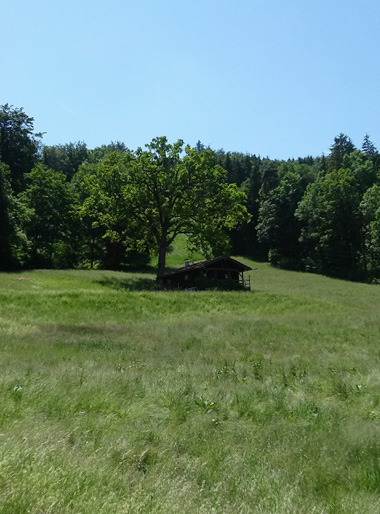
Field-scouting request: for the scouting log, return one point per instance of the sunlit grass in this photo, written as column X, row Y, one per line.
column 119, row 398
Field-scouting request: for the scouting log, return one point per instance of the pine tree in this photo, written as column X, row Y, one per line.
column 342, row 146
column 368, row 147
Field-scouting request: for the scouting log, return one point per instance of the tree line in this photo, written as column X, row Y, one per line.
column 318, row 214
column 110, row 207
column 69, row 206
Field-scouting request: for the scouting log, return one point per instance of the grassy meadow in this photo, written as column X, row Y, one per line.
column 117, row 398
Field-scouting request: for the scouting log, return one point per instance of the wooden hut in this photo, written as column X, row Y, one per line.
column 223, row 272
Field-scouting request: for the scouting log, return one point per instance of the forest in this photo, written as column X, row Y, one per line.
column 69, row 206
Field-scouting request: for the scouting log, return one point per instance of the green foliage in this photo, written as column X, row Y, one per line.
column 362, row 168
column 52, row 222
column 342, row 146
column 158, row 194
column 18, row 144
column 331, row 217
column 99, row 153
column 238, row 165
column 13, row 243
column 110, row 207
column 370, row 209
column 319, row 228
column 269, row 175
column 368, row 147
column 278, row 226
column 65, row 158
column 6, row 227
column 105, row 211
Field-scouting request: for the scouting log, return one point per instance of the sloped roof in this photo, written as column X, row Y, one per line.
column 205, row 264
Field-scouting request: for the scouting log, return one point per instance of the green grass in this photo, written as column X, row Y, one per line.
column 179, row 254
column 117, row 398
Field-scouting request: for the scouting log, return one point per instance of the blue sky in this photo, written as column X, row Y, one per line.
column 272, row 77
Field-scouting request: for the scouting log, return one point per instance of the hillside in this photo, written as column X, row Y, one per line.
column 118, row 398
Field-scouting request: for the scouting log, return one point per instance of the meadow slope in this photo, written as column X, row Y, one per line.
column 118, row 398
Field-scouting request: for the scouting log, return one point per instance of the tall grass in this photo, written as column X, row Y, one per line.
column 118, row 398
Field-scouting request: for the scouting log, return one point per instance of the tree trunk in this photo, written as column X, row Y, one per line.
column 92, row 244
column 161, row 259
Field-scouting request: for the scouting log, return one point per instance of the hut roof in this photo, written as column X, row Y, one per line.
column 205, row 264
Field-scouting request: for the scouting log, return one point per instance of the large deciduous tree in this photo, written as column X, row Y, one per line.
column 145, row 199
column 173, row 194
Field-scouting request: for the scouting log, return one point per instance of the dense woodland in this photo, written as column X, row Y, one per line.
column 69, row 206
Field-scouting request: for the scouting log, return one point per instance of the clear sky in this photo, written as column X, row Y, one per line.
column 278, row 78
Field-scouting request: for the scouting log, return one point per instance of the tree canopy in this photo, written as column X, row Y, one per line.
column 69, row 205
column 147, row 198
column 19, row 144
